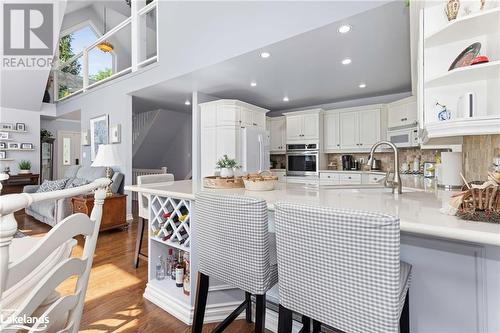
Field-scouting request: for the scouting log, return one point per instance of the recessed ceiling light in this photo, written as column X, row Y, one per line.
column 265, row 55
column 253, row 84
column 346, row 61
column 343, row 29
column 285, row 99
column 187, row 102
column 362, row 85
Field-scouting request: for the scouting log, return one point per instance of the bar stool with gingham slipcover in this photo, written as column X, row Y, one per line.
column 341, row 268
column 234, row 247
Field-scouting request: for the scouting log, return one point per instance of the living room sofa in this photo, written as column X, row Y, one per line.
column 52, row 212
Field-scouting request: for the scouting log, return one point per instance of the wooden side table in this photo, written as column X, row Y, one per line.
column 114, row 210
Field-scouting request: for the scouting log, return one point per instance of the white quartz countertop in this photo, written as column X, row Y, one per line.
column 418, row 210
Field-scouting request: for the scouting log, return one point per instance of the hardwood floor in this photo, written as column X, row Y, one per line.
column 114, row 301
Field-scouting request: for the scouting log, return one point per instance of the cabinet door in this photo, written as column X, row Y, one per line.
column 349, row 131
column 246, row 117
column 331, row 131
column 310, row 125
column 294, row 128
column 402, row 114
column 369, row 128
column 228, row 142
column 208, row 151
column 208, row 115
column 228, row 114
column 259, row 119
column 277, row 134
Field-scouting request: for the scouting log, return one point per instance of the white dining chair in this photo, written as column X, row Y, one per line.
column 143, row 209
column 28, row 280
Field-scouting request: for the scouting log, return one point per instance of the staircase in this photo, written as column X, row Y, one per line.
column 141, row 124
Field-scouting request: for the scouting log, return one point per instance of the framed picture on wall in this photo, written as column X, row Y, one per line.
column 4, row 135
column 85, row 138
column 21, row 127
column 3, row 145
column 6, row 126
column 115, row 134
column 13, row 145
column 2, row 155
column 99, row 134
column 26, row 146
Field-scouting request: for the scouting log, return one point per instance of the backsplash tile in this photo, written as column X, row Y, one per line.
column 478, row 154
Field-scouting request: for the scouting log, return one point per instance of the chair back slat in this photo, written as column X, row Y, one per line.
column 58, row 309
column 237, row 227
column 61, row 235
column 351, row 259
column 76, row 224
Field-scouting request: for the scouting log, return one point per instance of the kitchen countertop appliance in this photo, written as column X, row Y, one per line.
column 302, row 159
column 348, row 162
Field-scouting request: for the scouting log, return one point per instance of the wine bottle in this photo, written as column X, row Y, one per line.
column 179, row 272
column 172, row 267
column 187, row 280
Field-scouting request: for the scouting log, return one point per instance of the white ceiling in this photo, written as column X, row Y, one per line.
column 307, row 68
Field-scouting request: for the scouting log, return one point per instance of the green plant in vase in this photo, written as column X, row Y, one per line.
column 227, row 166
column 24, row 167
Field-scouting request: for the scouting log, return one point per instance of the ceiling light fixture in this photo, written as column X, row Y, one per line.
column 253, row 84
column 187, row 102
column 346, row 61
column 343, row 29
column 265, row 55
column 362, row 85
column 285, row 99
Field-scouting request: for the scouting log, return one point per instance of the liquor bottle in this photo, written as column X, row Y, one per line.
column 168, row 262
column 179, row 272
column 181, row 235
column 173, row 265
column 187, row 280
column 160, row 270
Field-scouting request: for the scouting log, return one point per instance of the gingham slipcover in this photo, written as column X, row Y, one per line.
column 341, row 267
column 233, row 241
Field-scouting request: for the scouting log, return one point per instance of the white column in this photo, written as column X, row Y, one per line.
column 136, row 29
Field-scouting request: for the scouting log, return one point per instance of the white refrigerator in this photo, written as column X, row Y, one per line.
column 255, row 155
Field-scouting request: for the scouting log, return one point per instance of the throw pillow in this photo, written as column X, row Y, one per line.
column 52, row 185
column 78, row 182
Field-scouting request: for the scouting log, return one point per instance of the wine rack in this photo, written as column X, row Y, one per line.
column 170, row 222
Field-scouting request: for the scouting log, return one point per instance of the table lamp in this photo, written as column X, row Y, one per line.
column 107, row 156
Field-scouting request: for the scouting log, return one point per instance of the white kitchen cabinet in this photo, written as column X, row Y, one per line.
column 357, row 129
column 369, row 128
column 402, row 112
column 349, row 130
column 350, row 179
column 303, row 126
column 331, row 134
column 221, row 123
column 277, row 129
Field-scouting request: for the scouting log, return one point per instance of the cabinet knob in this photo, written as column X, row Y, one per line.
column 404, row 119
column 338, row 145
column 349, row 177
column 255, row 124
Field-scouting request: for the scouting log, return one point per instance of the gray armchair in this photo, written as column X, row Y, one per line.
column 52, row 212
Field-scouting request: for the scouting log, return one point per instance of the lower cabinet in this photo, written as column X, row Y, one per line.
column 349, row 178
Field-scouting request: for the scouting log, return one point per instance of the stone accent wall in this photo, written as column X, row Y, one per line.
column 478, row 154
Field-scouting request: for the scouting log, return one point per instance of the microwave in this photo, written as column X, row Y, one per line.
column 405, row 137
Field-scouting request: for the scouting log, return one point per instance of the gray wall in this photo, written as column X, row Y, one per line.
column 168, row 144
column 32, row 121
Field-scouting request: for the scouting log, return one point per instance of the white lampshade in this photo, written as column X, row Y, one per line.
column 107, row 156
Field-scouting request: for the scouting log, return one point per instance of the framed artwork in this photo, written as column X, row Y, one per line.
column 115, row 135
column 2, row 155
column 4, row 135
column 3, row 145
column 21, row 127
column 85, row 138
column 26, row 146
column 98, row 134
column 13, row 145
column 6, row 126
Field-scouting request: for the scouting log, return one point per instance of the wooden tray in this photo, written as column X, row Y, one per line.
column 218, row 182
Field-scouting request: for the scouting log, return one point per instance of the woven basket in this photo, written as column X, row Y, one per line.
column 260, row 182
column 481, row 205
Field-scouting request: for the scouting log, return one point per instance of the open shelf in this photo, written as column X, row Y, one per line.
column 168, row 286
column 3, row 140
column 12, row 130
column 465, row 27
column 172, row 244
column 490, row 70
column 16, row 149
column 464, row 126
column 6, row 159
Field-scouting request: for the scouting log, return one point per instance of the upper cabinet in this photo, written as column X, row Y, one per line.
column 303, row 126
column 355, row 129
column 402, row 113
column 230, row 112
column 457, row 101
column 277, row 132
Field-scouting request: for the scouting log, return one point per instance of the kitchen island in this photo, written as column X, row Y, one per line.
column 456, row 276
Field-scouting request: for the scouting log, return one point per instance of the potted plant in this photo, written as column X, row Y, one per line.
column 24, row 167
column 227, row 166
